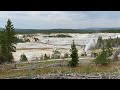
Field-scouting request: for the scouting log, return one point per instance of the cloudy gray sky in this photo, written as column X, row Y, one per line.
column 61, row 19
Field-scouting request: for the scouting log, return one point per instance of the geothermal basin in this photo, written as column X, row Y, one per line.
column 48, row 44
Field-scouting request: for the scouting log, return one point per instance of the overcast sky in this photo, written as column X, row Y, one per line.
column 61, row 19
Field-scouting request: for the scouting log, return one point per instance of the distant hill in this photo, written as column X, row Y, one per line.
column 117, row 28
column 52, row 31
column 87, row 30
column 32, row 31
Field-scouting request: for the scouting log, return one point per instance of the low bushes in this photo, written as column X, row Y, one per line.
column 23, row 58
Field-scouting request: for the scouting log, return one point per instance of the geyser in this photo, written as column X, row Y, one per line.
column 91, row 44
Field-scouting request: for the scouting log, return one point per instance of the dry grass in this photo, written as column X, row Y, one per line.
column 41, row 64
column 8, row 72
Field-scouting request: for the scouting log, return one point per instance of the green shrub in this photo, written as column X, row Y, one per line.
column 46, row 57
column 66, row 55
column 56, row 54
column 27, row 40
column 102, row 58
column 23, row 58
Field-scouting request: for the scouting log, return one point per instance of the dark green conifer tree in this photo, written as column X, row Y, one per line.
column 7, row 42
column 74, row 55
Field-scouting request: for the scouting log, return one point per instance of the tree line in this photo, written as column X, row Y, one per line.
column 115, row 42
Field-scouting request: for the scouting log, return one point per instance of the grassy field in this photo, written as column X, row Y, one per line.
column 8, row 72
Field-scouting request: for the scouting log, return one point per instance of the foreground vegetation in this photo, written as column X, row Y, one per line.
column 8, row 72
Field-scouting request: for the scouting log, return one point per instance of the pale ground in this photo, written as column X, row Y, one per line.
column 48, row 44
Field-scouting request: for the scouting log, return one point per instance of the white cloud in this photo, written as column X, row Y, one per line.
column 60, row 19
